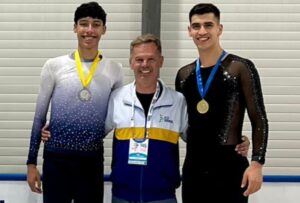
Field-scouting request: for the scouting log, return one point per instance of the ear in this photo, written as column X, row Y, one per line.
column 104, row 29
column 130, row 58
column 75, row 28
column 220, row 29
column 161, row 61
column 190, row 30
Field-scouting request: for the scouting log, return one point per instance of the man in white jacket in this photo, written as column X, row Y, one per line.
column 148, row 119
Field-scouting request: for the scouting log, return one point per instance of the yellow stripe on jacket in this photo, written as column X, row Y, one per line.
column 154, row 133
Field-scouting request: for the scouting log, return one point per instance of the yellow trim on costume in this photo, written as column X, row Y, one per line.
column 154, row 133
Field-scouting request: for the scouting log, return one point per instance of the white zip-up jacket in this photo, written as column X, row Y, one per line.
column 158, row 179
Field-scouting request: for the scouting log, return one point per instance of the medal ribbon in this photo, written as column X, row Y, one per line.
column 203, row 90
column 86, row 81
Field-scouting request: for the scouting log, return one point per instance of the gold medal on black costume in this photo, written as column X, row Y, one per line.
column 202, row 106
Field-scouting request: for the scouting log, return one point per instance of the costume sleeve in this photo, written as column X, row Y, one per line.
column 184, row 120
column 119, row 77
column 42, row 104
column 178, row 82
column 109, row 116
column 256, row 110
column 181, row 77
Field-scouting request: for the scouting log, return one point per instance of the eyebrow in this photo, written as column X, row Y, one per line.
column 205, row 23
column 94, row 20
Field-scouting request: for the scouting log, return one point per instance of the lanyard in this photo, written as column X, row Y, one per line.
column 150, row 112
column 85, row 81
column 203, row 90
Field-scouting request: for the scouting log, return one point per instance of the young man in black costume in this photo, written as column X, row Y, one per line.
column 219, row 87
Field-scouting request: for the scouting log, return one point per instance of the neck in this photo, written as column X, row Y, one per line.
column 209, row 58
column 143, row 88
column 87, row 54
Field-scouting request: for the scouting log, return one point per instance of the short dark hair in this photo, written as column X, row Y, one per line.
column 204, row 8
column 90, row 9
column 144, row 39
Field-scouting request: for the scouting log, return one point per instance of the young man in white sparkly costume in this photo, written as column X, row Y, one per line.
column 78, row 86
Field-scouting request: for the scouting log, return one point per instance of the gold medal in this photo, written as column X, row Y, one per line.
column 202, row 106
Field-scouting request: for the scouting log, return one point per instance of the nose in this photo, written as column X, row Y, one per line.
column 202, row 30
column 90, row 28
column 144, row 63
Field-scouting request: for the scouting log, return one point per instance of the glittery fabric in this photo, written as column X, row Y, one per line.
column 75, row 125
column 235, row 89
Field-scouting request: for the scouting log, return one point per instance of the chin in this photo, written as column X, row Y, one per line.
column 202, row 48
column 89, row 46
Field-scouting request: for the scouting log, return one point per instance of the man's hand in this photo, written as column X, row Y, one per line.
column 34, row 178
column 243, row 148
column 252, row 178
column 45, row 133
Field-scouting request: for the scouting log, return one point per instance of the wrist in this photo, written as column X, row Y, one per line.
column 256, row 164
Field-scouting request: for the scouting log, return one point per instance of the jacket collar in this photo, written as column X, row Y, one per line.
column 164, row 99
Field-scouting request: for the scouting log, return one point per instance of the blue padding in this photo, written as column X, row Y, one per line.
column 267, row 178
column 281, row 178
column 12, row 177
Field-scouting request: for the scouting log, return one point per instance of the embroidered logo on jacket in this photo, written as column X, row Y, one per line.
column 165, row 119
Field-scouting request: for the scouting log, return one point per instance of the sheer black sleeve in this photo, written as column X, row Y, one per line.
column 251, row 88
column 182, row 75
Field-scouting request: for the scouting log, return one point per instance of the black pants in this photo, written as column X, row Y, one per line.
column 220, row 175
column 67, row 178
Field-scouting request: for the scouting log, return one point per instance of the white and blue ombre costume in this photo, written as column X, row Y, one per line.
column 77, row 127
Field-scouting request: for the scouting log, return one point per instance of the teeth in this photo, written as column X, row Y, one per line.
column 203, row 39
column 145, row 71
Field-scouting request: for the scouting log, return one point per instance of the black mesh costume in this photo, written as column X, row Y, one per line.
column 211, row 161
